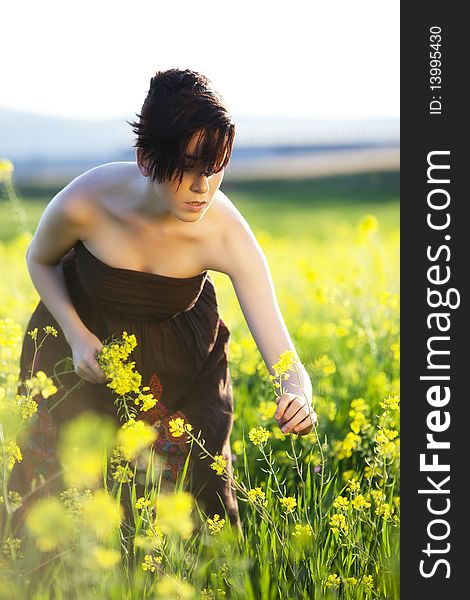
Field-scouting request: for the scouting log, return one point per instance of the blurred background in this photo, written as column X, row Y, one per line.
column 314, row 90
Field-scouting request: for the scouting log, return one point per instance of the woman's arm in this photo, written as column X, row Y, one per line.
column 249, row 272
column 65, row 220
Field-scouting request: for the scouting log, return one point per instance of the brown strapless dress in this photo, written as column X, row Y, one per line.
column 182, row 354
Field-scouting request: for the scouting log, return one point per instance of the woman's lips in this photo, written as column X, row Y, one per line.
column 195, row 207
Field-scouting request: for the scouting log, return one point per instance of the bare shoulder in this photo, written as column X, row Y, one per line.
column 106, row 176
column 229, row 219
column 85, row 200
column 70, row 215
column 85, row 194
column 233, row 235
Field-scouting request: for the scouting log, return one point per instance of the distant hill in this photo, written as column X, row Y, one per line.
column 26, row 137
column 48, row 148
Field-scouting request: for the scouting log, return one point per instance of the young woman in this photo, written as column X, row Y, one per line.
column 127, row 246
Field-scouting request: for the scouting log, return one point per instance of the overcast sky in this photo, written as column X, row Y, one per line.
column 321, row 59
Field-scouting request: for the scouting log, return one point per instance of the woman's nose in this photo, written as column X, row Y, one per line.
column 200, row 184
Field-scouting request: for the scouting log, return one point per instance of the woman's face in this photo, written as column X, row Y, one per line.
column 196, row 187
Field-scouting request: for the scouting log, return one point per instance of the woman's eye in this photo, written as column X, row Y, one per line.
column 189, row 167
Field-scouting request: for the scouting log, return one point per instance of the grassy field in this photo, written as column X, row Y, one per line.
column 320, row 511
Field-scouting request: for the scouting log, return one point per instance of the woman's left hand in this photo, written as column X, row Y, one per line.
column 295, row 414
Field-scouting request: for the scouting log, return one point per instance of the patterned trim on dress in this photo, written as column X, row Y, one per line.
column 40, row 458
column 173, row 450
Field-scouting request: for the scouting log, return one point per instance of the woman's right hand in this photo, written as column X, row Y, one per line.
column 85, row 347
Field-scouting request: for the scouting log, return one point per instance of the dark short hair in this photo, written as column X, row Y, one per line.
column 179, row 104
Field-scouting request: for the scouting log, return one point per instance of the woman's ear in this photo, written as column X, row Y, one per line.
column 142, row 162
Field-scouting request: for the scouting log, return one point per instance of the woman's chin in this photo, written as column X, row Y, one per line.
column 190, row 215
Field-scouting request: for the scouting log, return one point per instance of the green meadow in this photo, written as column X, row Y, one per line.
column 321, row 511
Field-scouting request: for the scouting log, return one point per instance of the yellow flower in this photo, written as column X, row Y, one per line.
column 153, row 539
column 123, row 473
column 344, row 449
column 358, row 405
column 368, row 582
column 124, row 379
column 344, row 326
column 341, row 502
column 11, row 548
column 142, row 503
column 302, row 530
column 339, row 524
column 216, row 524
column 170, row 588
column 82, row 444
column 350, row 580
column 25, row 406
column 15, row 500
column 395, row 348
column 102, row 514
column 178, row 427
column 359, row 502
column 266, row 409
column 370, row 471
column 378, row 496
column 390, row 403
column 285, row 363
column 353, row 485
column 390, row 433
column 257, row 495
column 11, row 453
column 174, row 513
column 219, row 464
column 360, row 423
column 133, row 436
column 368, row 224
column 289, row 503
column 237, row 447
column 259, row 435
column 148, row 400
column 381, row 438
column 333, row 581
column 33, row 333
column 347, row 475
column 75, row 499
column 383, row 510
column 104, row 558
column 41, row 383
column 155, row 534
column 209, row 594
column 48, row 329
column 49, row 524
column 389, row 449
column 323, row 365
column 151, row 562
column 6, row 167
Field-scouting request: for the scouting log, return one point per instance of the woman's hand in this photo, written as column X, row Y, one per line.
column 295, row 414
column 85, row 347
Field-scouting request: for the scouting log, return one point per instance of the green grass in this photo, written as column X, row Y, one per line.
column 313, row 207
